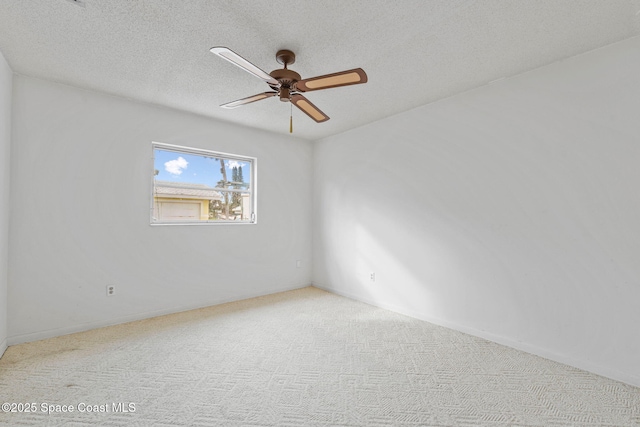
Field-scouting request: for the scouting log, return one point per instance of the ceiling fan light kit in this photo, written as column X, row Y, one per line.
column 287, row 84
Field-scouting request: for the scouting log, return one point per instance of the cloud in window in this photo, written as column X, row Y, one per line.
column 234, row 164
column 175, row 167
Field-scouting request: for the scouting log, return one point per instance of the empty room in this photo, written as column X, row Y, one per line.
column 320, row 213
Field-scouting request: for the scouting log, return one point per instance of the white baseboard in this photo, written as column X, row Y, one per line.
column 3, row 347
column 50, row 333
column 603, row 371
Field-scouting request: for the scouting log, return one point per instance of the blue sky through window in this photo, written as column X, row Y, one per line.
column 195, row 168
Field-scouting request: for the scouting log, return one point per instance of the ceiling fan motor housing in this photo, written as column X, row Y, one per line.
column 287, row 79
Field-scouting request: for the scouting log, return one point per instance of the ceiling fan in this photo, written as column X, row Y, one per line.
column 287, row 84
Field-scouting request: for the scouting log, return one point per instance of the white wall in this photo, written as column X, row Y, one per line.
column 80, row 200
column 510, row 212
column 6, row 77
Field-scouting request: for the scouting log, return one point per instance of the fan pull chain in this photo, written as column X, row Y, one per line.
column 290, row 118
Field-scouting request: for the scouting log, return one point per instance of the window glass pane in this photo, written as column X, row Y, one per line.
column 234, row 174
column 234, row 206
column 194, row 187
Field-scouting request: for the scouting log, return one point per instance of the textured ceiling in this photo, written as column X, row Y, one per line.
column 414, row 51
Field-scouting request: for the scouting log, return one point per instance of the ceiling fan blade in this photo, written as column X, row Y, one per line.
column 308, row 108
column 249, row 100
column 343, row 78
column 239, row 61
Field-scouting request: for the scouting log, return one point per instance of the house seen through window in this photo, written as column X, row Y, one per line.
column 194, row 186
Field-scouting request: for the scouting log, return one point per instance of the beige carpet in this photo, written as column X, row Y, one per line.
column 299, row 358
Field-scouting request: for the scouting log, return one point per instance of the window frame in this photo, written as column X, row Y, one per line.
column 252, row 190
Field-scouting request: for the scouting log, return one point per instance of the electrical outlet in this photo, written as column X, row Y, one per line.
column 298, row 263
column 111, row 290
column 372, row 276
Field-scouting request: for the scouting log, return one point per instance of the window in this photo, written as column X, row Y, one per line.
column 193, row 186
